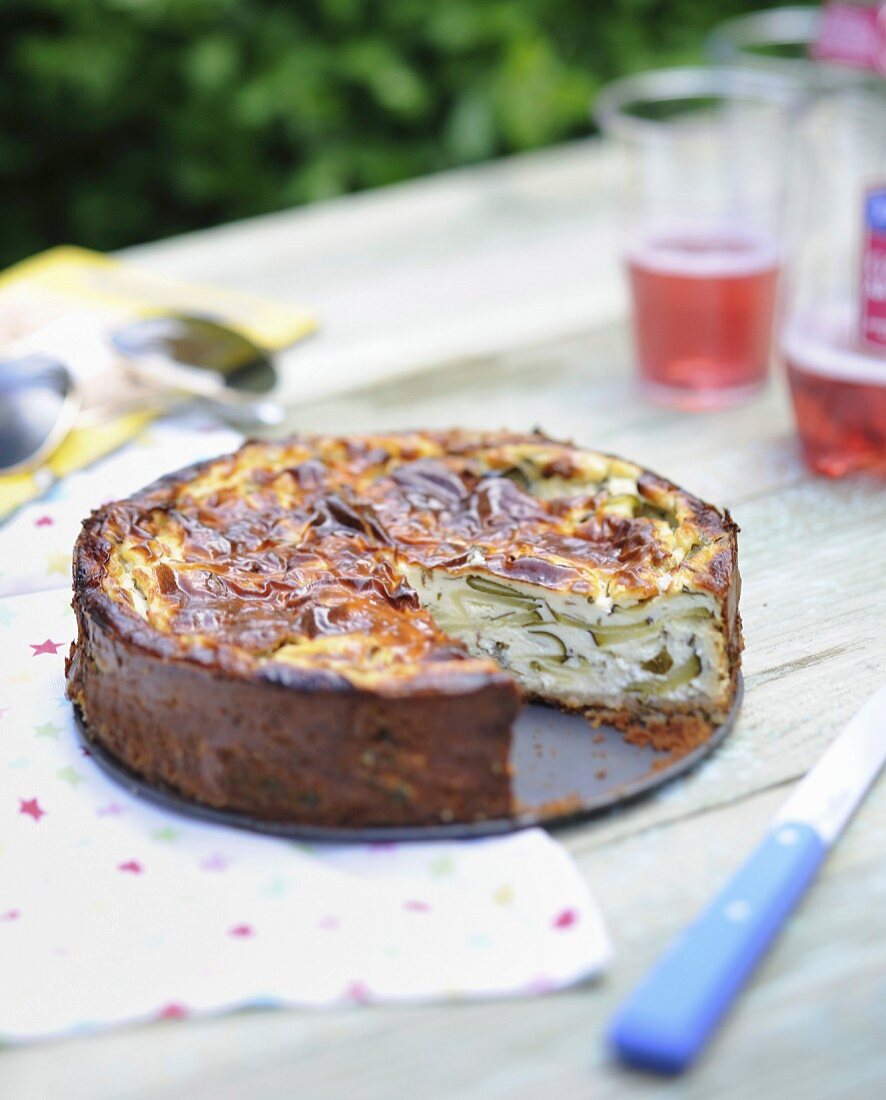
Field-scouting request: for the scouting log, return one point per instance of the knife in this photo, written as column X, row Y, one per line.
column 665, row 1023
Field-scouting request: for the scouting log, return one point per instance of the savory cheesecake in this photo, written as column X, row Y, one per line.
column 340, row 631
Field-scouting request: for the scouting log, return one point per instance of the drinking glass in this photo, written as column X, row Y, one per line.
column 704, row 153
column 833, row 336
column 782, row 41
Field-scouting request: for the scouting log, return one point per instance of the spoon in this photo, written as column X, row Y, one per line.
column 200, row 357
column 39, row 402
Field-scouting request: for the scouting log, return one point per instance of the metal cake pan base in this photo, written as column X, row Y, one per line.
column 564, row 771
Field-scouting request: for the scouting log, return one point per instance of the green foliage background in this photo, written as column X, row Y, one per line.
column 127, row 120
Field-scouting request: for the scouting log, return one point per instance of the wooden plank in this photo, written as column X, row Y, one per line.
column 583, row 388
column 476, row 261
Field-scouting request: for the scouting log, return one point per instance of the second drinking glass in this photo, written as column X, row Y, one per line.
column 705, row 152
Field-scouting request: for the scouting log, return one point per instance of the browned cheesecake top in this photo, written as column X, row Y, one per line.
column 283, row 559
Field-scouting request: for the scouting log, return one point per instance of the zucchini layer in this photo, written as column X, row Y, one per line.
column 568, row 650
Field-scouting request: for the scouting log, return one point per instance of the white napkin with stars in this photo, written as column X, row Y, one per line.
column 114, row 911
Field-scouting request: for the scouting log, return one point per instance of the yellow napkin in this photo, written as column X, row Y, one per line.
column 64, row 281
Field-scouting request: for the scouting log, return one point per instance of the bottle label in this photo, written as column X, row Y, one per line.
column 873, row 268
column 852, row 34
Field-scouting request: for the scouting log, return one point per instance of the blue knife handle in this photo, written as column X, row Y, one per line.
column 669, row 1017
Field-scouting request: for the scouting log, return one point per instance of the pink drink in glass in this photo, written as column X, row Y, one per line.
column 839, row 393
column 704, row 303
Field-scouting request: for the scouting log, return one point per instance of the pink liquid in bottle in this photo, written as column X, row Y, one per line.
column 703, row 312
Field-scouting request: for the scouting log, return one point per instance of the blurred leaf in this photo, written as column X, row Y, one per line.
column 471, row 131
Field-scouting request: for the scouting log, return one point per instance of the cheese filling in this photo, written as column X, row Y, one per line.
column 565, row 649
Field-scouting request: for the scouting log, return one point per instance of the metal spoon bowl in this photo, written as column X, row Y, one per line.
column 205, row 359
column 39, row 402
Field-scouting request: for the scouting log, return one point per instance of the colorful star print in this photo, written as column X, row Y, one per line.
column 443, row 865
column 166, row 833
column 70, row 776
column 48, row 730
column 131, row 866
column 415, row 906
column 358, row 992
column 31, row 807
column 58, row 563
column 44, row 521
column 242, row 931
column 46, row 647
column 215, row 863
column 504, row 895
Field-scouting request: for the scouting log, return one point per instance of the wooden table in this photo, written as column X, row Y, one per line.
column 491, row 297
